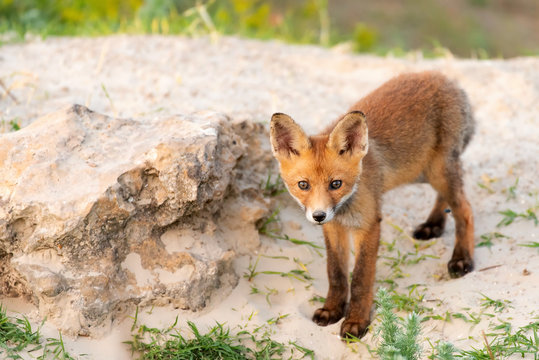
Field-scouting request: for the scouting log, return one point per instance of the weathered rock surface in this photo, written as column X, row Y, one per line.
column 98, row 213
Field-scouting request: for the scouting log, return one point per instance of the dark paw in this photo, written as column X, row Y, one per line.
column 428, row 231
column 460, row 267
column 354, row 329
column 325, row 316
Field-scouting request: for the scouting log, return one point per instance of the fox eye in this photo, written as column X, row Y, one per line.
column 303, row 185
column 335, row 184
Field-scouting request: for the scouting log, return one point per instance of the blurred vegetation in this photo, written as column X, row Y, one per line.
column 480, row 28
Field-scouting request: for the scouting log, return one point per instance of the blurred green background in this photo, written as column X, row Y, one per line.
column 466, row 28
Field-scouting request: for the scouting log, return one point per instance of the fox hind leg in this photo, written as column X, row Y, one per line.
column 434, row 226
column 461, row 262
column 446, row 177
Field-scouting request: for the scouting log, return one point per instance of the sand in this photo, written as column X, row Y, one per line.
column 143, row 76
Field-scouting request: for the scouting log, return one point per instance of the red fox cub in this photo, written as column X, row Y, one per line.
column 411, row 129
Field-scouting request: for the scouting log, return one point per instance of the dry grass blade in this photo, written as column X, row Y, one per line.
column 488, row 346
column 490, row 267
column 8, row 92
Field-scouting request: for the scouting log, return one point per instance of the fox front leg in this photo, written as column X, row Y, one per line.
column 357, row 318
column 337, row 247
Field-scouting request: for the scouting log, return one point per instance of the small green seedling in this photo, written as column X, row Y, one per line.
column 510, row 216
column 399, row 339
column 486, row 239
column 273, row 187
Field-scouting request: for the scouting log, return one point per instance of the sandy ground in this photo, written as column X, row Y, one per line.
column 147, row 76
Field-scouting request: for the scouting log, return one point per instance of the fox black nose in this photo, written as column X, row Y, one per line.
column 319, row 216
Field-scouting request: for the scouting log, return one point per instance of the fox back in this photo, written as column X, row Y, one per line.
column 412, row 119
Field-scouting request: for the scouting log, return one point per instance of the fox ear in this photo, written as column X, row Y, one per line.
column 350, row 135
column 286, row 136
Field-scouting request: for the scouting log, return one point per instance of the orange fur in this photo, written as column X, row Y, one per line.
column 412, row 128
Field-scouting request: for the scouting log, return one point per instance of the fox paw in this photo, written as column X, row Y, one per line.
column 354, row 329
column 325, row 316
column 459, row 267
column 428, row 231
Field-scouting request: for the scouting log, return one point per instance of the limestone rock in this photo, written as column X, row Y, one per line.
column 98, row 213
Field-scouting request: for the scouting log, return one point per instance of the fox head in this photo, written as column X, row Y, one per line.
column 321, row 172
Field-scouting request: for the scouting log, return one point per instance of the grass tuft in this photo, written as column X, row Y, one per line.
column 486, row 239
column 16, row 336
column 523, row 342
column 444, row 351
column 217, row 343
column 497, row 305
column 510, row 216
column 273, row 186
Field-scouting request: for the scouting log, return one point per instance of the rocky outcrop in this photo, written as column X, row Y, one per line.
column 98, row 213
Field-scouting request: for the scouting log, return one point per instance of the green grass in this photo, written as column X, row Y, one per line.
column 486, row 239
column 271, row 227
column 397, row 262
column 497, row 305
column 217, row 343
column 395, row 333
column 15, row 125
column 444, row 351
column 486, row 186
column 303, row 22
column 412, row 301
column 273, row 186
column 107, row 95
column 17, row 336
column 168, row 344
column 300, row 274
column 510, row 216
column 512, row 191
column 399, row 338
column 412, row 298
column 523, row 342
column 55, row 348
column 267, row 293
column 11, row 125
column 317, row 299
column 531, row 244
